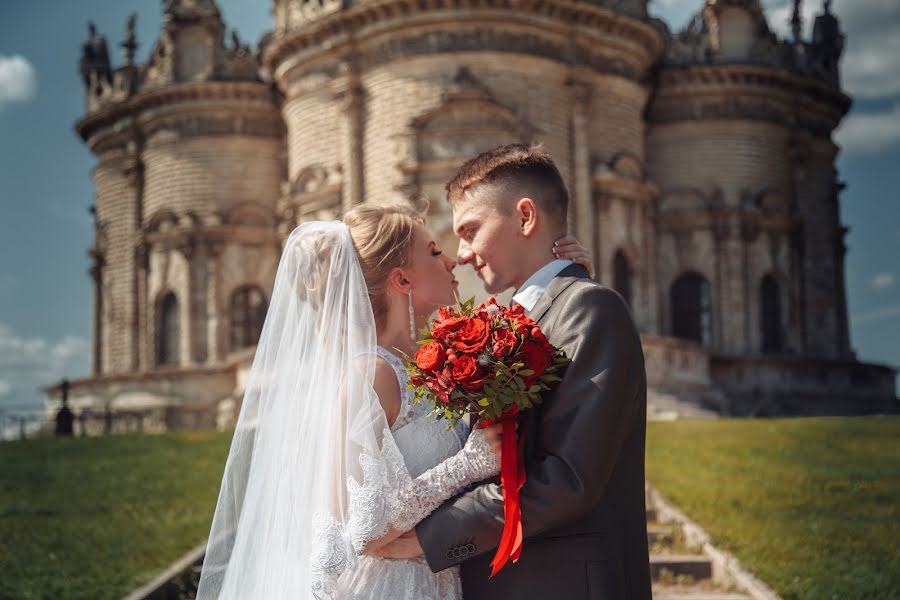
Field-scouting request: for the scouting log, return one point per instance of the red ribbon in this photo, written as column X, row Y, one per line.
column 512, row 478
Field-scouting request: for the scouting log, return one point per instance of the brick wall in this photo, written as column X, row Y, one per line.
column 116, row 200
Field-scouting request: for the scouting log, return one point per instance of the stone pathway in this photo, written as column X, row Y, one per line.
column 680, row 572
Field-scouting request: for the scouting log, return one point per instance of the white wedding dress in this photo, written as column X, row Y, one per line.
column 424, row 443
column 315, row 472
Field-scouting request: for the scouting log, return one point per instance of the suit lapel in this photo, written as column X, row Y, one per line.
column 557, row 286
column 532, row 418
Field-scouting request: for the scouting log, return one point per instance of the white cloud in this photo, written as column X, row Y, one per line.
column 877, row 315
column 871, row 132
column 882, row 281
column 29, row 363
column 870, row 66
column 18, row 79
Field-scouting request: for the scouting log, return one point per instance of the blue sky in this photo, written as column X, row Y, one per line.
column 46, row 188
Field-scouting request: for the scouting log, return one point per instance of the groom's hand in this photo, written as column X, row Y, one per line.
column 405, row 547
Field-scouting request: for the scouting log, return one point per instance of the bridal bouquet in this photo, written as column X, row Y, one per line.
column 494, row 362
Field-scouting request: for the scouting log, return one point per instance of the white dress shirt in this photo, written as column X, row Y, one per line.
column 530, row 292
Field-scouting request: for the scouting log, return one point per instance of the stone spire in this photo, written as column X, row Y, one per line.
column 827, row 46
column 129, row 44
column 94, row 64
column 797, row 21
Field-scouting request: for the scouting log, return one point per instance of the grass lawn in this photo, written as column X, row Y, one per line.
column 98, row 517
column 809, row 505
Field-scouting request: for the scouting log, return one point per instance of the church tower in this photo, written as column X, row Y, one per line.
column 189, row 167
column 700, row 164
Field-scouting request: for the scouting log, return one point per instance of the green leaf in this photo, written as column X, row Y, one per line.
column 484, row 402
column 534, row 389
column 526, row 372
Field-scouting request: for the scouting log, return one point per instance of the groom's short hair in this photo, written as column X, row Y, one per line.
column 519, row 171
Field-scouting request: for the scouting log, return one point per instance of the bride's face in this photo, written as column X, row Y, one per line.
column 431, row 274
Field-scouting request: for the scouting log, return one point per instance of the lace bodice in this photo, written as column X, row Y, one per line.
column 422, row 464
column 424, row 442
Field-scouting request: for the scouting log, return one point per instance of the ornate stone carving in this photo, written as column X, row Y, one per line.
column 645, row 38
column 701, row 42
column 463, row 40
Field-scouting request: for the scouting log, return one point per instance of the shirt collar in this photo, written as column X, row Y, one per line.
column 531, row 291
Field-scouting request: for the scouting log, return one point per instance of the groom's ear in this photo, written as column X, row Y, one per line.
column 526, row 213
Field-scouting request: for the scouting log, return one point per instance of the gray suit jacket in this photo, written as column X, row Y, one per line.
column 583, row 504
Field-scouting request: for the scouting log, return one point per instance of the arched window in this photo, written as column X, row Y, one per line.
column 167, row 334
column 622, row 276
column 248, row 311
column 692, row 309
column 770, row 315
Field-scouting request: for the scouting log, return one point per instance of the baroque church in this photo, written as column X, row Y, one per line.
column 700, row 163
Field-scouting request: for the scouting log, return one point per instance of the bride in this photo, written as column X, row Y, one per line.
column 330, row 457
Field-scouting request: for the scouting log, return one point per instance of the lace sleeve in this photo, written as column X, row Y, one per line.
column 389, row 497
column 420, row 496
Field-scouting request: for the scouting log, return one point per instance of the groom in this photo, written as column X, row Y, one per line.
column 583, row 506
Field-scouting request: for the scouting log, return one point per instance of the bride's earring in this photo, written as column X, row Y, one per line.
column 412, row 318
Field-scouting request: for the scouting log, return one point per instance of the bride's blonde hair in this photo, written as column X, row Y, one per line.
column 383, row 236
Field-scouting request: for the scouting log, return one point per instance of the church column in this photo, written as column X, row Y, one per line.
column 351, row 97
column 752, row 344
column 581, row 217
column 213, row 255
column 142, row 270
column 134, row 171
column 719, row 287
column 186, row 307
column 96, row 272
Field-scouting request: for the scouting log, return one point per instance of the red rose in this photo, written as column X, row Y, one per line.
column 537, row 336
column 464, row 369
column 447, row 326
column 504, row 342
column 431, row 357
column 477, row 381
column 473, row 336
column 535, row 359
column 515, row 309
column 521, row 323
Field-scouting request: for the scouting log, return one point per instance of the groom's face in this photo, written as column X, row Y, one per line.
column 488, row 239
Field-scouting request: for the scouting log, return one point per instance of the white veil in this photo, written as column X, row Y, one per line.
column 311, row 474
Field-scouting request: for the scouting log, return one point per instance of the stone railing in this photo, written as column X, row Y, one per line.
column 776, row 385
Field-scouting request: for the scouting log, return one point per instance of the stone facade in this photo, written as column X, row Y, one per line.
column 700, row 164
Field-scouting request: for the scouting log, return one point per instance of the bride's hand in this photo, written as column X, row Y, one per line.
column 568, row 247
column 493, row 436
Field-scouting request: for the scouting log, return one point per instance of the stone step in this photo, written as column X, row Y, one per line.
column 659, row 534
column 697, row 567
